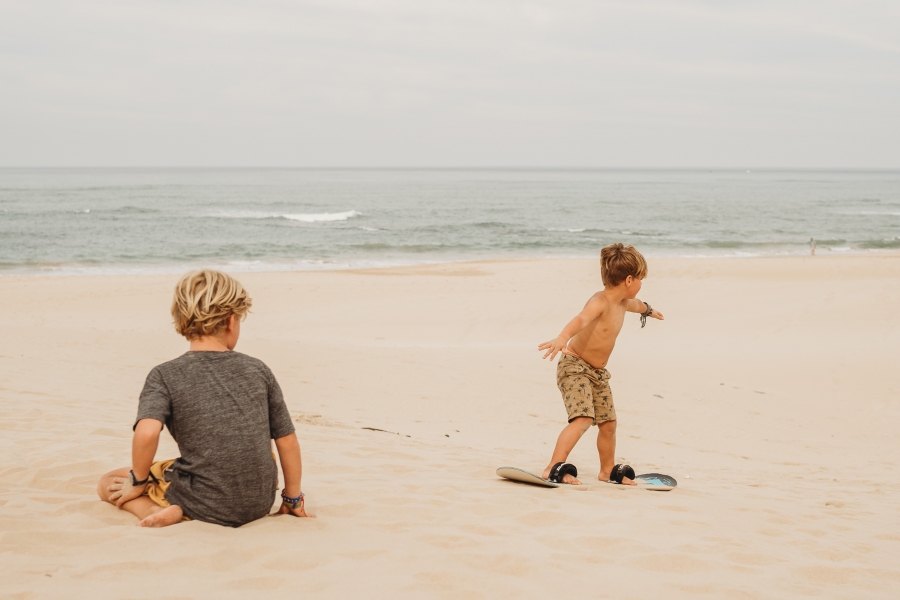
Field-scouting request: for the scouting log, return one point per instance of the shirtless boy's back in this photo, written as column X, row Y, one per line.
column 586, row 344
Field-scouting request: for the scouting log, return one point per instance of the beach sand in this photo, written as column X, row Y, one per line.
column 771, row 392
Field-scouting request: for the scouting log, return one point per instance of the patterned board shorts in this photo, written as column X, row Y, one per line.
column 585, row 389
column 156, row 490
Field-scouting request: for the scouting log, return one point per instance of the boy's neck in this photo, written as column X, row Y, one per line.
column 208, row 343
column 616, row 293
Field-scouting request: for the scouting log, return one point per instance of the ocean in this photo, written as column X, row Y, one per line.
column 110, row 221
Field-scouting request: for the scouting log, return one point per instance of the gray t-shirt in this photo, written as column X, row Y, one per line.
column 222, row 408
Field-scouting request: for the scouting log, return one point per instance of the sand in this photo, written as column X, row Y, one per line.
column 770, row 392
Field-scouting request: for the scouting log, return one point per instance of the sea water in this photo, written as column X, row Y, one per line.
column 92, row 221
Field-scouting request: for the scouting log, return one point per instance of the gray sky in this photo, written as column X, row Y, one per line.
column 440, row 83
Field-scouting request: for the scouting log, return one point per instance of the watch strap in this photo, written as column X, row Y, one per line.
column 134, row 480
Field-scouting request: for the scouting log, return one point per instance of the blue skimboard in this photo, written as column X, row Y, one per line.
column 650, row 481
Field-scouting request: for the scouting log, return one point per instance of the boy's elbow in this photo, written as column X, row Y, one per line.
column 148, row 428
column 287, row 440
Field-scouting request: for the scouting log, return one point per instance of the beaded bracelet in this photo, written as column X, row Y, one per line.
column 292, row 502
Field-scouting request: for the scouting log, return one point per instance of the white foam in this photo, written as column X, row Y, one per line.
column 244, row 263
column 317, row 217
column 234, row 266
column 302, row 217
column 245, row 214
column 869, row 213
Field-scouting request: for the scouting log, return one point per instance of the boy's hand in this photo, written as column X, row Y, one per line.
column 553, row 347
column 300, row 511
column 123, row 491
column 657, row 315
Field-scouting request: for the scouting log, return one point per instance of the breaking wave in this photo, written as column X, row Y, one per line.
column 302, row 217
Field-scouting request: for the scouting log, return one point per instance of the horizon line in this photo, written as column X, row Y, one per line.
column 457, row 168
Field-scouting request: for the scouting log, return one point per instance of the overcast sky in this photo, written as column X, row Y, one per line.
column 450, row 83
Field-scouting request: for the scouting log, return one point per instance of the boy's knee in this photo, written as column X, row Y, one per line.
column 584, row 423
column 607, row 428
column 106, row 481
column 101, row 489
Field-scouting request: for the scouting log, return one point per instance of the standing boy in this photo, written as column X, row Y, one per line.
column 223, row 408
column 586, row 344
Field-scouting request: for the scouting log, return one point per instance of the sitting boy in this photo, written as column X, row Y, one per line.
column 586, row 344
column 223, row 408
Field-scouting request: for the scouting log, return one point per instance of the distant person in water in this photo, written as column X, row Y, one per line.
column 585, row 345
column 224, row 409
column 812, row 247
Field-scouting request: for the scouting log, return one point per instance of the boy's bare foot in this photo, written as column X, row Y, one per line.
column 605, row 477
column 568, row 479
column 167, row 516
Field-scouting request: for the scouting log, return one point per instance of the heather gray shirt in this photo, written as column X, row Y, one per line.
column 222, row 408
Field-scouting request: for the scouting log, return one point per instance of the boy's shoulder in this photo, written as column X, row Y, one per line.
column 599, row 298
column 212, row 359
column 602, row 297
column 251, row 362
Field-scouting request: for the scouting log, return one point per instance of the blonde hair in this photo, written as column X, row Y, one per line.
column 204, row 301
column 618, row 261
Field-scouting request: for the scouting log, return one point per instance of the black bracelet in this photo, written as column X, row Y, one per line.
column 135, row 482
column 292, row 502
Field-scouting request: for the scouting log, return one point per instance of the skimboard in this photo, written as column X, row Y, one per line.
column 648, row 481
column 523, row 476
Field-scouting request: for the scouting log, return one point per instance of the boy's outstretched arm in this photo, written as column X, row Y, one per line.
column 292, row 466
column 593, row 309
column 639, row 306
column 143, row 449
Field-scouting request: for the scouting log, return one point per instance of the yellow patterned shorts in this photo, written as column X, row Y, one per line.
column 156, row 489
column 585, row 389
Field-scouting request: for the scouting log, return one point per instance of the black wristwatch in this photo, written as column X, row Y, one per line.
column 135, row 482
